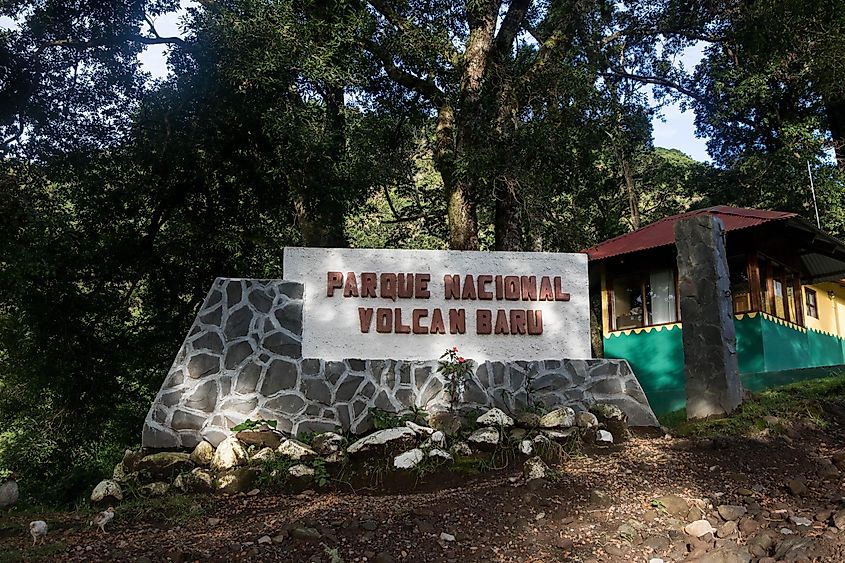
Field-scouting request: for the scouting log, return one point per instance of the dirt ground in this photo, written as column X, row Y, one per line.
column 600, row 508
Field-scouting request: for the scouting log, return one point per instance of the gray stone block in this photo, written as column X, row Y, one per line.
column 186, row 421
column 237, row 353
column 317, row 390
column 203, row 365
column 289, row 404
column 237, row 325
column 234, row 293
column 247, row 378
column 260, row 298
column 283, row 345
column 280, row 375
column 204, row 397
column 209, row 341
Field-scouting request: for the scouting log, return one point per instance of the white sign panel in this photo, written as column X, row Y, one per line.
column 414, row 304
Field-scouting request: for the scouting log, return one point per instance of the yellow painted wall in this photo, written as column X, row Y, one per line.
column 831, row 310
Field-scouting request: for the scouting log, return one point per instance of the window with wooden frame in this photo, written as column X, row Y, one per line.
column 812, row 303
column 779, row 286
column 643, row 299
column 740, row 284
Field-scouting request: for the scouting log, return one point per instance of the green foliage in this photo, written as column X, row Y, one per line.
column 45, row 552
column 382, row 420
column 456, row 370
column 322, row 478
column 250, row 424
column 806, row 400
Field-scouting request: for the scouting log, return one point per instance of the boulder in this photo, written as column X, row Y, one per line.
column 203, row 454
column 672, row 505
column 528, row 419
column 438, row 439
column 797, row 487
column 438, row 453
column 558, row 435
column 586, row 420
column 300, row 470
column 229, row 454
column 165, row 465
column 604, row 438
column 130, row 460
column 409, row 459
column 327, row 443
column 296, row 450
column 447, row 422
column 197, row 481
column 725, row 554
column 526, row 447
column 731, row 512
column 388, row 441
column 484, row 437
column 495, row 417
column 463, row 449
column 156, row 489
column 261, row 456
column 839, row 519
column 419, row 430
column 260, row 438
column 699, row 528
column 534, row 468
column 237, row 480
column 563, row 417
column 613, row 419
column 106, row 491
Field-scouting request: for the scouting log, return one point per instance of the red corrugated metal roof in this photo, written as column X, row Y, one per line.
column 662, row 232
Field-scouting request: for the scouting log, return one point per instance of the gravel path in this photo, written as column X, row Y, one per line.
column 600, row 508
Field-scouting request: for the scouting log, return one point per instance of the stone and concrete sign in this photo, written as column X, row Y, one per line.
column 247, row 356
column 413, row 304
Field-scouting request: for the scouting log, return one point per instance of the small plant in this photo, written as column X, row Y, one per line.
column 306, row 438
column 382, row 420
column 333, row 554
column 456, row 370
column 321, row 474
column 249, row 424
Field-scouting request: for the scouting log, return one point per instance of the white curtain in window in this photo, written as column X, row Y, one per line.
column 662, row 296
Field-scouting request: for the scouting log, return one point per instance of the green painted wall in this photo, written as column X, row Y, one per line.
column 657, row 358
column 768, row 353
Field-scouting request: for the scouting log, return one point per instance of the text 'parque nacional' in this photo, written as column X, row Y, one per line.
column 484, row 287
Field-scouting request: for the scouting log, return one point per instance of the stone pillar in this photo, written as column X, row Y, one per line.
column 710, row 363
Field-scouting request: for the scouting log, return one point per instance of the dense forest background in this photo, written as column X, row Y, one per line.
column 478, row 124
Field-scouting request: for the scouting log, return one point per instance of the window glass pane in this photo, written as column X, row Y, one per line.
column 812, row 306
column 627, row 302
column 765, row 303
column 790, row 297
column 777, row 289
column 661, row 297
column 740, row 285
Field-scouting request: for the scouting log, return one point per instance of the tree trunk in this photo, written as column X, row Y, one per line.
column 508, row 215
column 461, row 211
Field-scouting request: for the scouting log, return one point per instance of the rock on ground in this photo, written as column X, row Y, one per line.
column 106, row 491
column 390, row 439
column 495, row 417
column 230, row 453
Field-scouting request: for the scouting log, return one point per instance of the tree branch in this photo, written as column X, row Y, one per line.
column 111, row 41
column 657, row 80
column 425, row 88
column 511, row 24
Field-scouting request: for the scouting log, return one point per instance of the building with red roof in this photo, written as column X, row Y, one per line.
column 787, row 288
